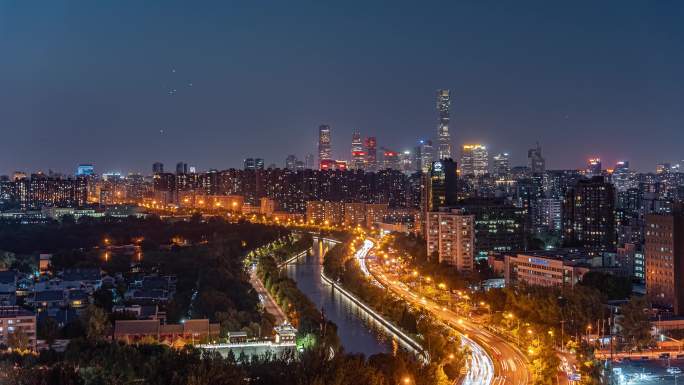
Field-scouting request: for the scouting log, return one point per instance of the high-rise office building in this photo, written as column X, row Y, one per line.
column 291, row 162
column 181, row 168
column 622, row 176
column 324, row 145
column 664, row 260
column 358, row 154
column 594, row 167
column 85, row 170
column 253, row 164
column 309, row 162
column 498, row 226
column 501, row 166
column 371, row 154
column 390, row 160
column 443, row 135
column 423, row 156
column 474, row 160
column 536, row 161
column 441, row 185
column 157, row 168
column 589, row 216
column 406, row 162
column 663, row 168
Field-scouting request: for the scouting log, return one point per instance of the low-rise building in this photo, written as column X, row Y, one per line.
column 188, row 332
column 15, row 319
column 8, row 288
column 542, row 269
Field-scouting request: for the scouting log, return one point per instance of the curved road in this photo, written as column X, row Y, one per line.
column 501, row 364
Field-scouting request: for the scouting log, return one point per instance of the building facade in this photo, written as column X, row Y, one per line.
column 358, row 154
column 324, row 143
column 541, row 269
column 474, row 160
column 664, row 260
column 16, row 319
column 443, row 135
column 450, row 235
column 589, row 216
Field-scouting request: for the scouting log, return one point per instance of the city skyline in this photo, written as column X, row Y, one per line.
column 170, row 84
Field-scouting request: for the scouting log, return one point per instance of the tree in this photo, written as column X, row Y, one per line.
column 104, row 298
column 634, row 324
column 18, row 339
column 48, row 329
column 613, row 287
column 96, row 323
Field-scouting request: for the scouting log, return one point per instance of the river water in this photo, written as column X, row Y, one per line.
column 358, row 332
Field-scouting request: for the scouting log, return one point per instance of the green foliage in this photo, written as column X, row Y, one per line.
column 304, row 314
column 18, row 339
column 440, row 342
column 48, row 330
column 634, row 325
column 102, row 362
column 612, row 286
column 96, row 323
column 104, row 298
column 414, row 249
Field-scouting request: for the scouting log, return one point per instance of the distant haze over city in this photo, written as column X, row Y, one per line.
column 123, row 86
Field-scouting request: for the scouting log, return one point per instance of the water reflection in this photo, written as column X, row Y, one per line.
column 358, row 332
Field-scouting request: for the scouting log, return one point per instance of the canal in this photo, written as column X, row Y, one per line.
column 358, row 332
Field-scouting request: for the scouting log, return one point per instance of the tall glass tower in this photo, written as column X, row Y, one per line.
column 358, row 155
column 443, row 136
column 324, row 150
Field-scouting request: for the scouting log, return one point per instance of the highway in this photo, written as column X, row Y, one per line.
column 494, row 360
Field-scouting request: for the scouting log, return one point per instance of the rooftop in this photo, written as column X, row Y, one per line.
column 14, row 311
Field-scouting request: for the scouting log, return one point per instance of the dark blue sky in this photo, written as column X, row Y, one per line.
column 85, row 81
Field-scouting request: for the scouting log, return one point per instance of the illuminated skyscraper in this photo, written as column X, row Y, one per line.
column 371, row 154
column 324, row 150
column 622, row 176
column 594, row 167
column 501, row 166
column 423, row 156
column 406, row 162
column 253, row 164
column 390, row 160
column 157, row 168
column 662, row 168
column 474, row 160
column 588, row 216
column 536, row 161
column 85, row 170
column 291, row 162
column 358, row 155
column 309, row 162
column 441, row 185
column 443, row 136
column 181, row 168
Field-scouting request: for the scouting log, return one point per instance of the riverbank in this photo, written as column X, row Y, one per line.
column 444, row 348
column 409, row 344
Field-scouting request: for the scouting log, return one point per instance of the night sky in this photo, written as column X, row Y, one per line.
column 127, row 83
